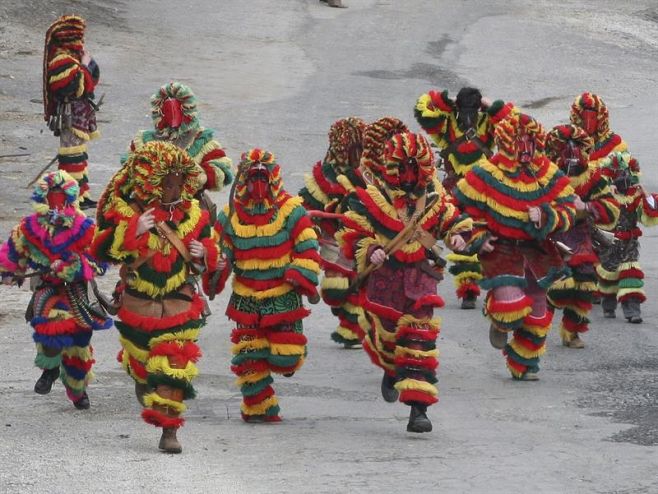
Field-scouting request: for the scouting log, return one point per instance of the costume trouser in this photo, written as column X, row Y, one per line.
column 403, row 343
column 517, row 276
column 467, row 272
column 267, row 339
column 574, row 296
column 61, row 340
column 621, row 277
column 72, row 158
column 161, row 352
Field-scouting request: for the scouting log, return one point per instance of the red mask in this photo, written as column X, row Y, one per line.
column 172, row 114
column 258, row 183
column 525, row 148
column 590, row 122
column 56, row 199
column 571, row 158
column 408, row 174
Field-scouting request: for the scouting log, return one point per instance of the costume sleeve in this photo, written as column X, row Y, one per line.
column 210, row 156
column 304, row 267
column 432, row 112
column 357, row 238
column 225, row 247
column 649, row 210
column 78, row 264
column 209, row 238
column 68, row 77
column 13, row 253
column 557, row 216
column 117, row 240
column 499, row 110
column 601, row 202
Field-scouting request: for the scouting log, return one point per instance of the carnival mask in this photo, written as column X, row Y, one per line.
column 258, row 182
column 589, row 121
column 172, row 188
column 408, row 174
column 172, row 114
column 525, row 148
column 56, row 199
column 571, row 160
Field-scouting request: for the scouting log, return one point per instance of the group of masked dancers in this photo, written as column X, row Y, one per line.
column 540, row 220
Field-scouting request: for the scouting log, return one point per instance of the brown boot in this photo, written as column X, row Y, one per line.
column 169, row 442
column 338, row 4
column 140, row 390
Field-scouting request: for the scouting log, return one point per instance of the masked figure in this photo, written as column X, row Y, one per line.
column 54, row 242
column 270, row 245
column 154, row 228
column 393, row 227
column 590, row 113
column 70, row 77
column 325, row 196
column 517, row 199
column 620, row 273
column 568, row 146
column 463, row 130
column 175, row 119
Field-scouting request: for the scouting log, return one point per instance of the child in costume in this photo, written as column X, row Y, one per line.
column 271, row 247
column 150, row 224
column 54, row 242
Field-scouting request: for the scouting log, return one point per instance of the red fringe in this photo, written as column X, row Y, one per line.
column 374, row 355
column 179, row 355
column 259, row 397
column 518, row 367
column 137, row 367
column 270, row 320
column 427, row 363
column 260, row 365
column 239, row 334
column 159, row 419
column 634, row 295
column 149, row 324
column 468, row 288
column 412, row 395
column 526, row 343
column 287, row 338
column 543, row 321
column 84, row 365
column 631, row 273
column 498, row 306
column 244, row 318
column 131, row 241
column 428, row 300
column 57, row 328
column 574, row 327
column 304, row 286
column 417, row 334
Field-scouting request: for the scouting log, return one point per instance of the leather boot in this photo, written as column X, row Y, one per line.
column 45, row 383
column 169, row 442
column 468, row 302
column 82, row 403
column 418, row 421
column 497, row 338
column 389, row 393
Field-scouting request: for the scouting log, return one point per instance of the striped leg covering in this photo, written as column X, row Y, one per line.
column 77, row 361
column 72, row 158
column 528, row 345
column 467, row 271
column 574, row 296
column 631, row 284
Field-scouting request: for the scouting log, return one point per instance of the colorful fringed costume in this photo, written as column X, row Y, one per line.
column 271, row 248
column 400, row 296
column 620, row 273
column 161, row 311
column 568, row 146
column 462, row 141
column 326, row 190
column 68, row 93
column 499, row 194
column 175, row 118
column 55, row 241
column 590, row 113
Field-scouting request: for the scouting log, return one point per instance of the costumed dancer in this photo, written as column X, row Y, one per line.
column 391, row 232
column 568, row 146
column 175, row 119
column 620, row 273
column 70, row 77
column 463, row 131
column 156, row 230
column 326, row 190
column 517, row 199
column 269, row 243
column 590, row 113
column 54, row 243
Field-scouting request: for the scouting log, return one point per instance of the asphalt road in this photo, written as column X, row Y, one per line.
column 276, row 74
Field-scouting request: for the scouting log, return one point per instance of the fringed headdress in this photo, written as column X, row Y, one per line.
column 374, row 141
column 184, row 95
column 344, row 135
column 509, row 128
column 590, row 101
column 411, row 150
column 256, row 157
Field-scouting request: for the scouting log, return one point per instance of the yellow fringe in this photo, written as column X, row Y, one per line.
column 191, row 334
column 154, row 398
column 608, row 289
column 245, row 291
column 414, row 322
column 607, row 275
column 346, row 333
column 173, row 282
column 160, row 363
column 80, row 134
column 250, row 231
column 249, row 345
column 540, row 331
column 314, row 190
column 260, row 408
column 134, row 351
column 626, row 291
column 345, row 182
column 263, row 264
column 415, row 385
column 454, row 257
column 509, row 316
column 335, row 283
column 309, row 264
column 72, row 150
column 306, row 234
column 525, row 353
column 401, row 351
column 286, row 349
column 251, row 378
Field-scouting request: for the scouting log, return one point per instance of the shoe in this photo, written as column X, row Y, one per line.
column 609, row 314
column 169, row 442
column 140, row 390
column 289, row 374
column 45, row 383
column 468, row 302
column 497, row 338
column 389, row 393
column 418, row 421
column 530, row 376
column 352, row 345
column 634, row 319
column 87, row 203
column 574, row 342
column 338, row 4
column 83, row 402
